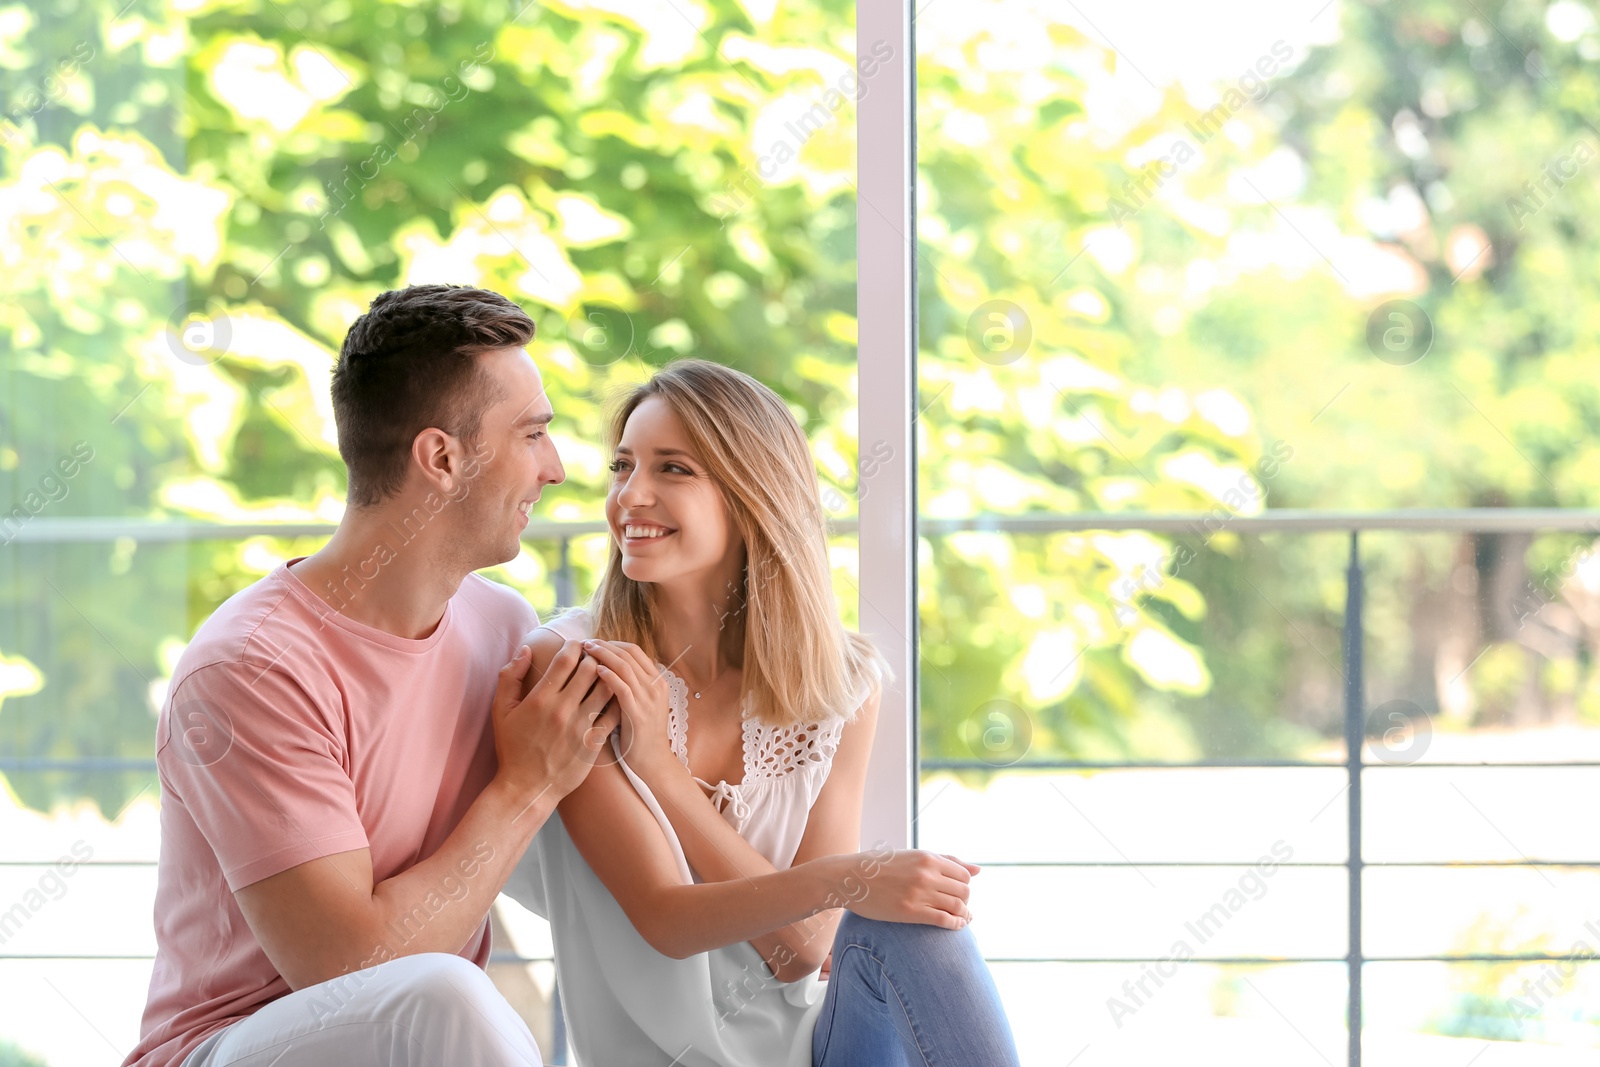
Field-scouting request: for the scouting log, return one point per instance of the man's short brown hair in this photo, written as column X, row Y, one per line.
column 410, row 363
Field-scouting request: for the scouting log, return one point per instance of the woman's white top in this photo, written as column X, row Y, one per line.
column 627, row 1005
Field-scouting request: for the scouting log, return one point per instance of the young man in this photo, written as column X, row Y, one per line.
column 346, row 782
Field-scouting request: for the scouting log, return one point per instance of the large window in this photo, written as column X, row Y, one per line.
column 1232, row 518
column 1245, row 663
column 198, row 199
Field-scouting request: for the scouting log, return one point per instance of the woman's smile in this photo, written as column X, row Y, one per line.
column 639, row 533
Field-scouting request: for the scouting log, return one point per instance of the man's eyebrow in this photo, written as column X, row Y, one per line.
column 535, row 420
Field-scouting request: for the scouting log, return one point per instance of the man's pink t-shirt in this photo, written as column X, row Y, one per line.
column 291, row 732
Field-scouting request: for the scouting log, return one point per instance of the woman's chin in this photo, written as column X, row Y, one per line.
column 641, row 570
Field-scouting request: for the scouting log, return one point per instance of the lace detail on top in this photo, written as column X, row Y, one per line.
column 678, row 716
column 770, row 752
column 774, row 751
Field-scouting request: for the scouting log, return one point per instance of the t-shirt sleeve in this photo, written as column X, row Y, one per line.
column 257, row 765
column 504, row 603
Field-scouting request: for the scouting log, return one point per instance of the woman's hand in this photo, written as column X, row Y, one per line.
column 641, row 692
column 551, row 725
column 912, row 886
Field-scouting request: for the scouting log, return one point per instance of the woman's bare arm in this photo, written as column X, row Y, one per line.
column 714, row 849
column 622, row 842
column 718, row 853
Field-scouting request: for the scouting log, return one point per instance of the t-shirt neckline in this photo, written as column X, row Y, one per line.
column 329, row 614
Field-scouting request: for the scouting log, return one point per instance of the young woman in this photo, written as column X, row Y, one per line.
column 697, row 882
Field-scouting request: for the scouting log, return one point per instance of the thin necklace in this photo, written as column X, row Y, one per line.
column 696, row 691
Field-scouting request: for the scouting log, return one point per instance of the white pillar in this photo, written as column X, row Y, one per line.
column 885, row 298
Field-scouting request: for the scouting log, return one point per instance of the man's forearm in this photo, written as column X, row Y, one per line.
column 438, row 904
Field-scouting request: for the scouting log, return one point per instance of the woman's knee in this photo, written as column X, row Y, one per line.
column 914, row 942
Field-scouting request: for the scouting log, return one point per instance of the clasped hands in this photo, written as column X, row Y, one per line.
column 551, row 727
column 639, row 690
column 608, row 684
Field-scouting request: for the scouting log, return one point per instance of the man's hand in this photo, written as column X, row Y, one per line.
column 548, row 739
column 328, row 916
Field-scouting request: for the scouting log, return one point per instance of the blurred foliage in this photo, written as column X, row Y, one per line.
column 1548, row 1001
column 1223, row 258
column 202, row 201
column 198, row 200
column 12, row 1056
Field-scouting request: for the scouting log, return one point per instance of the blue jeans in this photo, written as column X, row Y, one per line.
column 908, row 995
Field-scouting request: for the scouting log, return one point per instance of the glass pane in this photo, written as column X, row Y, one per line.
column 1045, row 392
column 1465, row 814
column 1198, row 667
column 1194, row 1013
column 77, row 910
column 71, row 1011
column 1161, row 912
column 1162, row 273
column 1231, row 262
column 1502, row 1014
column 1479, row 647
column 200, row 199
column 1212, row 815
column 1478, row 911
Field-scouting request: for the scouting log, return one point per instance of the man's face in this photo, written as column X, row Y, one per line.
column 514, row 459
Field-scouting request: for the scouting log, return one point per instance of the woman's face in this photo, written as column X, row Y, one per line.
column 665, row 512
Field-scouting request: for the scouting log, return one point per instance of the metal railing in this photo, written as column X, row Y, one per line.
column 1468, row 520
column 1472, row 520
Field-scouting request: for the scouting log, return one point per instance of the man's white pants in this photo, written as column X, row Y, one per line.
column 423, row 1010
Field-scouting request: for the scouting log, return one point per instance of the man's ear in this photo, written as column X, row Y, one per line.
column 441, row 459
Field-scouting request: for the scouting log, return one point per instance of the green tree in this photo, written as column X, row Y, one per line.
column 200, row 202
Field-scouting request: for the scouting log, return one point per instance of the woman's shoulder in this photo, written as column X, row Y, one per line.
column 573, row 624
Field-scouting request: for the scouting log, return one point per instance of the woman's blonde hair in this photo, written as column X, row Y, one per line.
column 800, row 664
